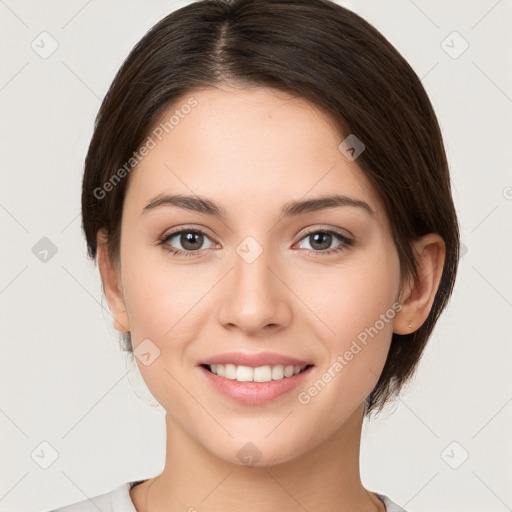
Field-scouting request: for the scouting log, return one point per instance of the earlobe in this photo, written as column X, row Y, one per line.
column 111, row 285
column 418, row 294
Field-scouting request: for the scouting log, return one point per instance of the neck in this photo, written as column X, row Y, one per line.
column 324, row 479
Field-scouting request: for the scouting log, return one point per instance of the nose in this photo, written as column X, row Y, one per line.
column 255, row 296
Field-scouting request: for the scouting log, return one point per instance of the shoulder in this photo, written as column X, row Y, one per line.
column 117, row 500
column 391, row 506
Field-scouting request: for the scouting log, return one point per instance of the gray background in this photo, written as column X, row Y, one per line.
column 64, row 381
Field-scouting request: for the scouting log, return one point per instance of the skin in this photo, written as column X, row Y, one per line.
column 252, row 150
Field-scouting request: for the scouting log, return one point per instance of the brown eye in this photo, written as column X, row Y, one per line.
column 321, row 241
column 185, row 241
column 191, row 240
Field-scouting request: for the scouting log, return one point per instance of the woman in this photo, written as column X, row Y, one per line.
column 268, row 198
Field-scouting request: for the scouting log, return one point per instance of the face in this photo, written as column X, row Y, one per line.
column 317, row 283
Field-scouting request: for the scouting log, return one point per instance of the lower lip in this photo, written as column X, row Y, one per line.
column 255, row 393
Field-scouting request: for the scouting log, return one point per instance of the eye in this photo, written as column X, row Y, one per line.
column 190, row 240
column 321, row 241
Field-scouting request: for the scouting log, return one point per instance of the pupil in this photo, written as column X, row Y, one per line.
column 188, row 240
column 325, row 236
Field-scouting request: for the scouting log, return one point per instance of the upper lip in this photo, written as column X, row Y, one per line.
column 254, row 360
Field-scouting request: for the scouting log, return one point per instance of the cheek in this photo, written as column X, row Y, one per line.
column 356, row 306
column 157, row 304
column 352, row 298
column 160, row 295
column 163, row 302
column 356, row 355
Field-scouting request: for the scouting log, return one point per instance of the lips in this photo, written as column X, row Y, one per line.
column 254, row 360
column 255, row 393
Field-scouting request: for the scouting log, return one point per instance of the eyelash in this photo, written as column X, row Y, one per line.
column 346, row 242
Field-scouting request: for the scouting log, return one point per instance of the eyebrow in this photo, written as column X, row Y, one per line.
column 291, row 209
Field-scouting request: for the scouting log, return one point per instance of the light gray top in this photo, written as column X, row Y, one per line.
column 119, row 500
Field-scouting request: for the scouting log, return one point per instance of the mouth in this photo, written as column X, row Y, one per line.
column 265, row 373
column 253, row 386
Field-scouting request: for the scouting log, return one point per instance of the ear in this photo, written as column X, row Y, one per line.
column 418, row 295
column 111, row 279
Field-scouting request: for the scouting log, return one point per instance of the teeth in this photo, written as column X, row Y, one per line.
column 258, row 374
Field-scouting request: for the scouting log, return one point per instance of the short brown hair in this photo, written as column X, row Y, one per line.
column 314, row 49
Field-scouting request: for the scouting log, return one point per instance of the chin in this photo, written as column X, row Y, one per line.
column 257, row 452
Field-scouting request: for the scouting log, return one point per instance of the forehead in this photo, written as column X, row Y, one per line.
column 254, row 145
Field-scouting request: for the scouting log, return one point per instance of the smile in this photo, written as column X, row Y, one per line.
column 265, row 373
column 241, row 384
